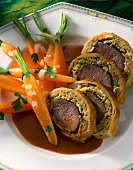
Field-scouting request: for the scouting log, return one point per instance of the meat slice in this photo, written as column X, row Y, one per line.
column 98, row 103
column 96, row 73
column 65, row 114
column 111, row 53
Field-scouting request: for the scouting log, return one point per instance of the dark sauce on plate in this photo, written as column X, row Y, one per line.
column 29, row 127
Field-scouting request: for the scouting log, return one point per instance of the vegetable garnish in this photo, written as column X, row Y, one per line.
column 36, row 98
column 17, row 72
column 49, row 37
column 35, row 57
column 38, row 22
column 48, row 128
column 4, row 71
column 17, row 103
column 7, row 107
column 59, row 58
column 63, row 26
column 37, row 70
column 23, row 29
column 8, row 50
column 33, row 46
column 49, row 71
column 1, row 116
column 11, row 84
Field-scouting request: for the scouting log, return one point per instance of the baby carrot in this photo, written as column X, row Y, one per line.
column 8, row 50
column 50, row 45
column 17, row 72
column 7, row 107
column 36, row 50
column 36, row 99
column 55, row 56
column 49, row 59
column 46, row 87
column 59, row 59
column 11, row 84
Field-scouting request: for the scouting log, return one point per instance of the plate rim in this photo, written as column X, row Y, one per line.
column 73, row 7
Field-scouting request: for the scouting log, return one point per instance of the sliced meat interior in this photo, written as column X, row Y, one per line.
column 98, row 103
column 65, row 114
column 111, row 53
column 96, row 73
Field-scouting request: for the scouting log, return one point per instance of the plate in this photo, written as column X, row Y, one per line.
column 114, row 153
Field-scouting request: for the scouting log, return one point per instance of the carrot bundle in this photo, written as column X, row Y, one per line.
column 49, row 67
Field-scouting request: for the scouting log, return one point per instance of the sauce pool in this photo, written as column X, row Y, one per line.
column 29, row 127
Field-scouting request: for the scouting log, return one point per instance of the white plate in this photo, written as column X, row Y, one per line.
column 114, row 153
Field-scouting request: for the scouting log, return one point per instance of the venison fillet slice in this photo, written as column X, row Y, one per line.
column 115, row 48
column 99, row 68
column 72, row 112
column 107, row 108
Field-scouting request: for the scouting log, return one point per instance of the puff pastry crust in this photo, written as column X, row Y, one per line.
column 109, row 123
column 120, row 44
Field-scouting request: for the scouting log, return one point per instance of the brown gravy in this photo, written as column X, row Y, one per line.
column 71, row 51
column 30, row 129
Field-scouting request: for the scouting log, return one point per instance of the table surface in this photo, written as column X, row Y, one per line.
column 121, row 8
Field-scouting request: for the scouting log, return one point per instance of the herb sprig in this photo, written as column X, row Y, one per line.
column 35, row 57
column 48, row 128
column 37, row 70
column 48, row 70
column 17, row 103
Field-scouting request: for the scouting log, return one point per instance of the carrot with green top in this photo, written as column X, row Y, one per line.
column 44, row 74
column 55, row 47
column 36, row 49
column 50, row 45
column 8, row 50
column 36, row 99
column 46, row 85
column 49, row 59
column 59, row 58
